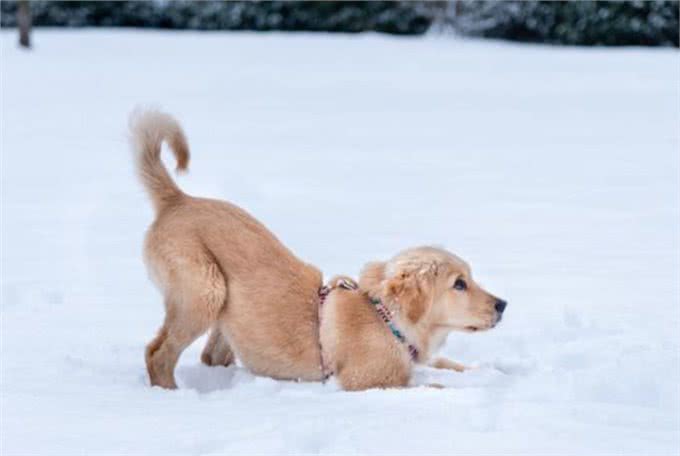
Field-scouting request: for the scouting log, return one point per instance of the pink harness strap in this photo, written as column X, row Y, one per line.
column 381, row 310
column 324, row 291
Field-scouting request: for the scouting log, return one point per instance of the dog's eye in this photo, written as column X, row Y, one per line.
column 460, row 284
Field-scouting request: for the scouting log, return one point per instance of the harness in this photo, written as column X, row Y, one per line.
column 383, row 312
column 386, row 316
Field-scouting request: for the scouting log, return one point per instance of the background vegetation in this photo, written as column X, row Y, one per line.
column 650, row 23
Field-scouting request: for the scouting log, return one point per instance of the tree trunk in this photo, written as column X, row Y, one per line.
column 24, row 22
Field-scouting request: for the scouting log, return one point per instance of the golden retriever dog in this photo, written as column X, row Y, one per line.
column 220, row 270
column 401, row 313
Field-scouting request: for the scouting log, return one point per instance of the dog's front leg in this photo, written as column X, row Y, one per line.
column 443, row 363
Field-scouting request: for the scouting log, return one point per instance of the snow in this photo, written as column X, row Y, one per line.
column 553, row 171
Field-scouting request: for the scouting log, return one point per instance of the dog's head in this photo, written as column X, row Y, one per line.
column 434, row 287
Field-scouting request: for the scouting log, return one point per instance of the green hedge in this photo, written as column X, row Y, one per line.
column 644, row 23
column 651, row 23
column 388, row 17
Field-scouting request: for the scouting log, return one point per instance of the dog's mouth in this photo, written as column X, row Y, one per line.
column 471, row 328
column 476, row 328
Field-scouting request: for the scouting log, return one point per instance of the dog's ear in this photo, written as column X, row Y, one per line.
column 371, row 278
column 412, row 291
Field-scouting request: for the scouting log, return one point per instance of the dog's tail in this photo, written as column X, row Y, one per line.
column 148, row 130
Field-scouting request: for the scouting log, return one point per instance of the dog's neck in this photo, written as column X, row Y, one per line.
column 387, row 315
column 426, row 338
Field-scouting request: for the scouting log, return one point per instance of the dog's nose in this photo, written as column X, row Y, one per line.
column 500, row 305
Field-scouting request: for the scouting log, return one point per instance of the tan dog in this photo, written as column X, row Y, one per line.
column 221, row 270
column 428, row 292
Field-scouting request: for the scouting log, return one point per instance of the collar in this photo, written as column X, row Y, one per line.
column 386, row 316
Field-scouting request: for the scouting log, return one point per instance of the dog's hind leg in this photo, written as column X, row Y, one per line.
column 217, row 351
column 193, row 302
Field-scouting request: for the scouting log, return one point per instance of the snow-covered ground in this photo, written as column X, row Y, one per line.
column 553, row 171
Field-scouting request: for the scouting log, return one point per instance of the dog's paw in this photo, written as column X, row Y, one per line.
column 443, row 363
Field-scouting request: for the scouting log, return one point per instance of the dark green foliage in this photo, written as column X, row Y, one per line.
column 561, row 22
column 382, row 16
column 574, row 22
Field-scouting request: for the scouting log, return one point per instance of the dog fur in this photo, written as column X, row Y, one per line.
column 220, row 270
column 417, row 286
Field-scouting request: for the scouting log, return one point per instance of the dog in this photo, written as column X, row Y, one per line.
column 221, row 271
column 399, row 314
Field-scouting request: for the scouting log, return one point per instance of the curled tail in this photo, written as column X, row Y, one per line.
column 148, row 130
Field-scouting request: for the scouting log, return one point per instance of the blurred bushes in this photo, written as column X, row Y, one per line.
column 558, row 22
column 646, row 23
column 380, row 16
